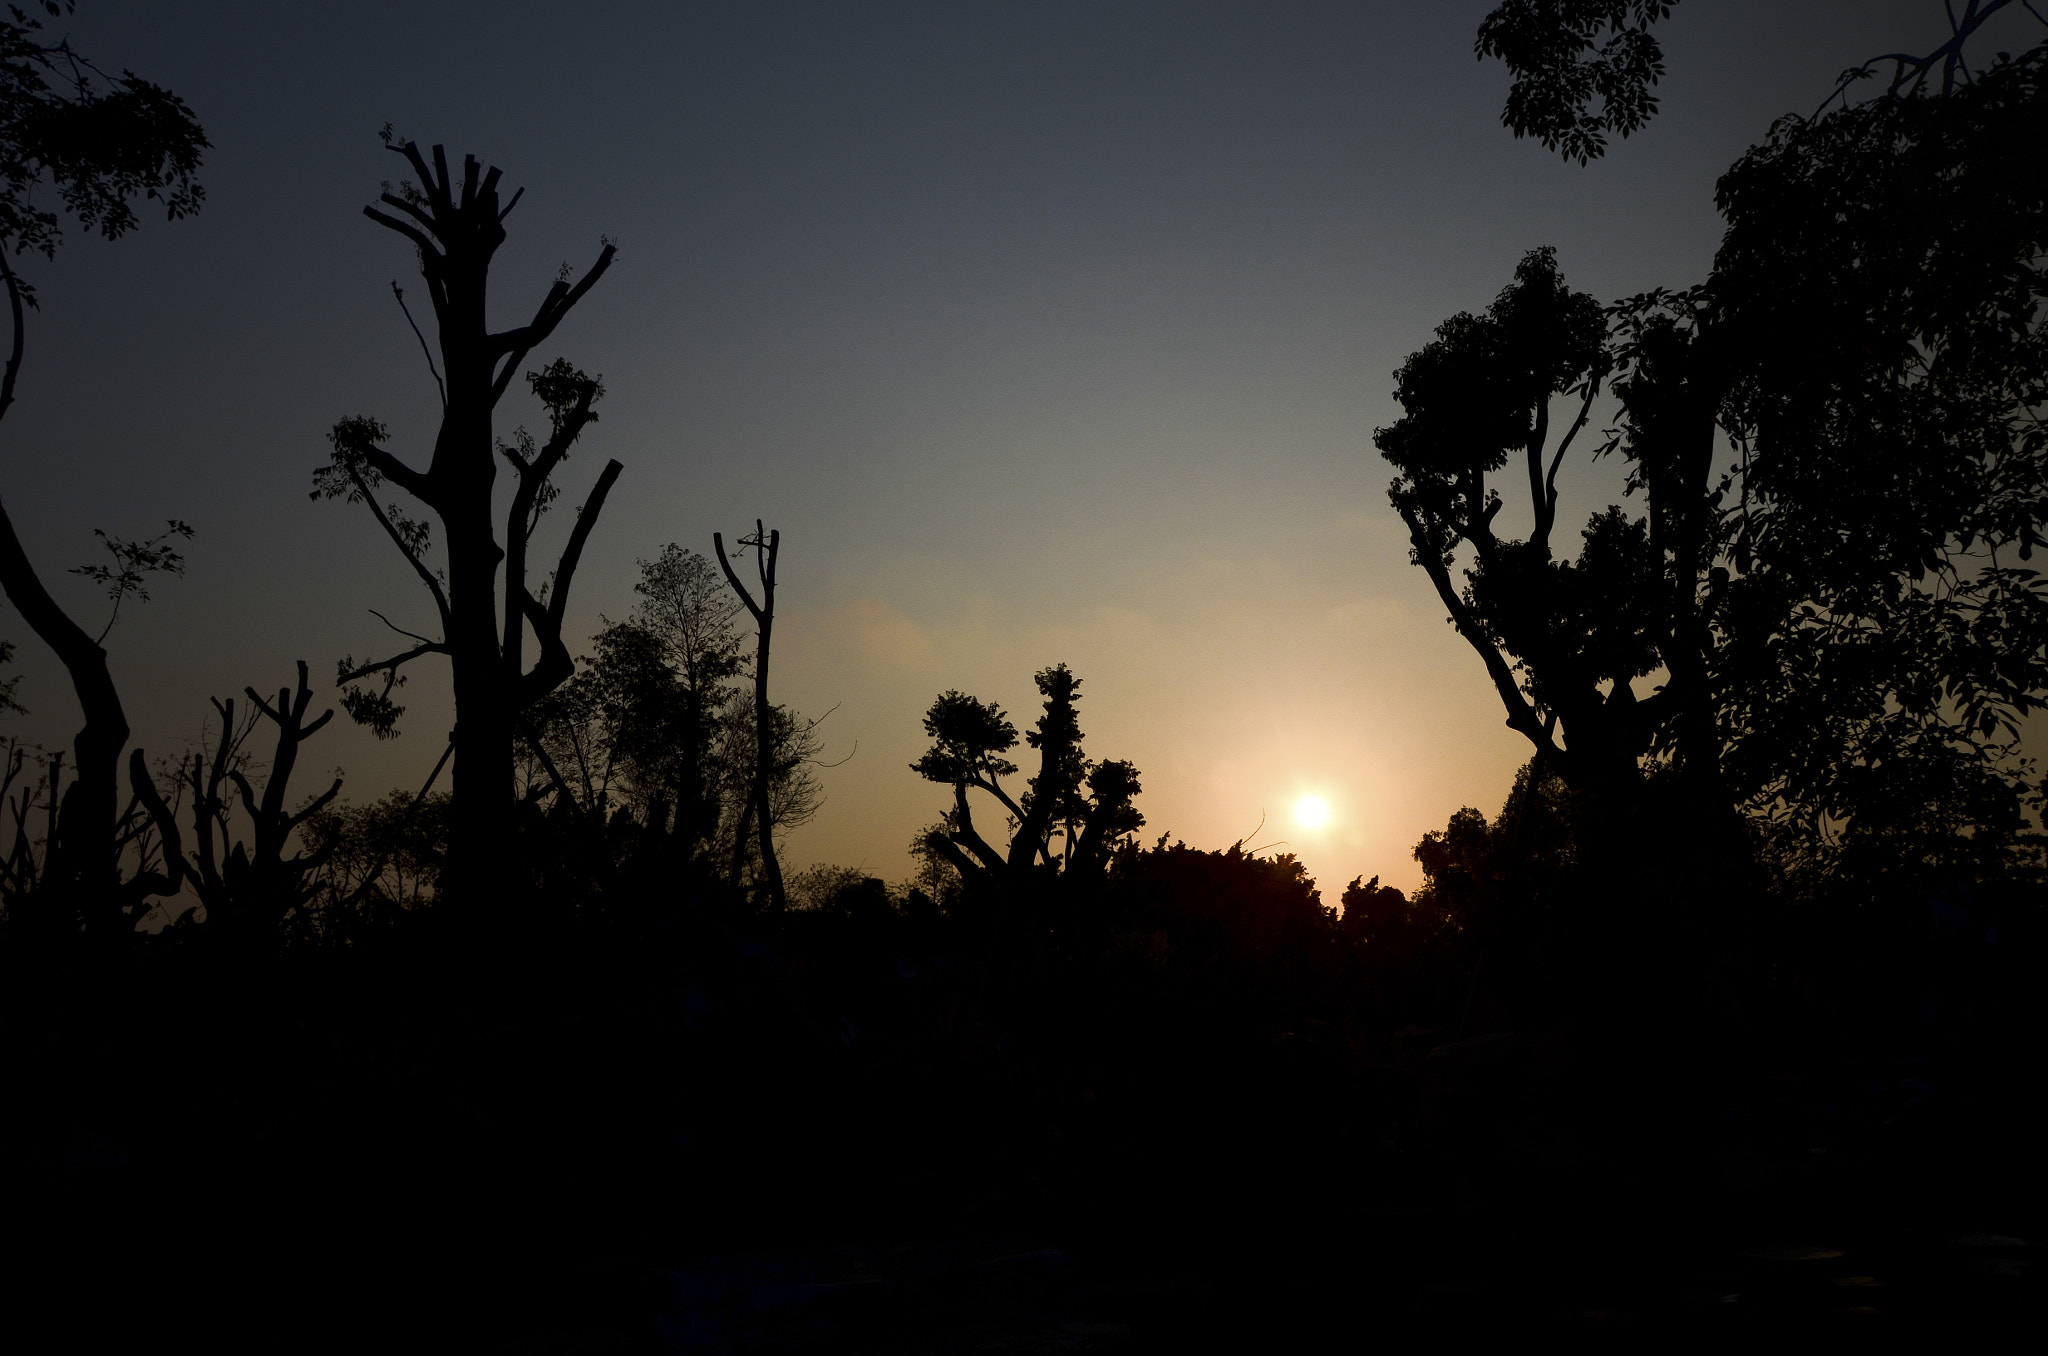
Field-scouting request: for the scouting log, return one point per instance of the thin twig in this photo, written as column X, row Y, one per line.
column 399, row 292
column 410, row 635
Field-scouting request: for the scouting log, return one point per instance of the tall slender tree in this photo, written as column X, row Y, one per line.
column 759, row 814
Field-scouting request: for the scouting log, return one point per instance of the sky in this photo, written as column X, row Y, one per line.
column 1042, row 332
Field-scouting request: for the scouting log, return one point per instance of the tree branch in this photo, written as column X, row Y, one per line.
column 370, row 879
column 411, row 151
column 439, row 385
column 303, row 732
column 392, row 664
column 518, row 518
column 408, row 208
column 514, row 345
column 14, row 302
column 553, row 666
column 586, row 519
column 1915, row 70
column 990, row 785
column 314, row 807
column 437, row 188
column 419, row 567
column 718, row 547
column 964, row 834
column 547, row 764
column 414, row 483
column 409, row 635
column 1521, row 715
column 406, row 229
column 1533, row 454
column 1550, row 480
column 160, row 813
column 959, row 860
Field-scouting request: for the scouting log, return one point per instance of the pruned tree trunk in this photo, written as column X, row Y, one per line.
column 759, row 813
column 457, row 228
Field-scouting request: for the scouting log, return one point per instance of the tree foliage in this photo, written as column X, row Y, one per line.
column 75, row 141
column 1877, row 318
column 650, row 748
column 1563, row 640
column 1838, row 450
column 1086, row 807
column 96, row 143
column 1582, row 69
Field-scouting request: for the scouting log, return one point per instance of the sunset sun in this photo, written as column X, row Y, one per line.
column 1311, row 812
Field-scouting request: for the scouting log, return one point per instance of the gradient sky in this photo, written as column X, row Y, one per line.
column 1043, row 332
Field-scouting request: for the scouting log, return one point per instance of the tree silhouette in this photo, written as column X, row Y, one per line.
column 757, row 819
column 685, row 606
column 457, row 228
column 75, row 141
column 1562, row 640
column 1087, row 806
column 381, row 858
column 1912, row 75
column 248, row 888
column 1839, row 610
column 1874, row 318
column 1561, row 66
column 970, row 738
column 648, row 760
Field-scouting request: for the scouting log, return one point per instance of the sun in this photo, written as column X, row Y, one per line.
column 1311, row 812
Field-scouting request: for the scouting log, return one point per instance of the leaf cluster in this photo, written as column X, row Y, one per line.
column 132, row 564
column 1582, row 69
column 97, row 143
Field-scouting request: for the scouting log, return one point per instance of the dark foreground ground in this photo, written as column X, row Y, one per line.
column 1347, row 1280
column 297, row 1275
column 1441, row 1281
column 847, row 1135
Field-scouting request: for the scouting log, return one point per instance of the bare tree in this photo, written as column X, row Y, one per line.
column 248, row 888
column 457, row 227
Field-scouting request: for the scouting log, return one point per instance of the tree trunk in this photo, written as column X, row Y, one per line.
column 767, row 545
column 460, row 480
column 480, row 838
column 80, row 872
column 457, row 228
column 764, row 732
